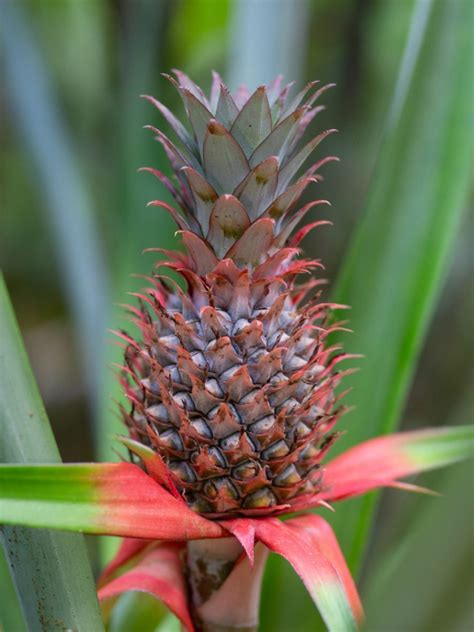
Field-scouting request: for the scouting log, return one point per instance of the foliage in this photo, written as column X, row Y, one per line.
column 76, row 160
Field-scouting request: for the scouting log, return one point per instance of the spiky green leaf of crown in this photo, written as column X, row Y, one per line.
column 231, row 382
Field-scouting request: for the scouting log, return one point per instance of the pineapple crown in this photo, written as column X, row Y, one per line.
column 234, row 172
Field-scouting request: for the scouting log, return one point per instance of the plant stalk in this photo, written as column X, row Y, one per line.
column 225, row 590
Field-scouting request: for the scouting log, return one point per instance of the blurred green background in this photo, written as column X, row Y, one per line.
column 74, row 224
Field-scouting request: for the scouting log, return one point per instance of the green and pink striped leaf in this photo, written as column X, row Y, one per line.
column 384, row 461
column 121, row 499
column 108, row 498
column 310, row 546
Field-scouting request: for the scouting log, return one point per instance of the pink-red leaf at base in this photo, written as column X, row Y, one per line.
column 311, row 548
column 244, row 530
column 383, row 461
column 160, row 574
column 128, row 549
column 322, row 533
column 101, row 498
column 135, row 505
column 154, row 464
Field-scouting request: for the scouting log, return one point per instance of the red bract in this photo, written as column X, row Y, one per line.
column 194, row 563
column 306, row 541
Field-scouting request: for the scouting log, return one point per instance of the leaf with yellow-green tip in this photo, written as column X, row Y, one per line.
column 398, row 260
column 385, row 460
column 310, row 546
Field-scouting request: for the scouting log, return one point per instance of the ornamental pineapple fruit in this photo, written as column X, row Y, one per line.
column 231, row 381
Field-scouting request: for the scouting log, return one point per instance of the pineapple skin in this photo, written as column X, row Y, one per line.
column 231, row 381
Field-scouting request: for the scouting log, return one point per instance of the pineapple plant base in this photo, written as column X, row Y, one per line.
column 231, row 381
column 225, row 592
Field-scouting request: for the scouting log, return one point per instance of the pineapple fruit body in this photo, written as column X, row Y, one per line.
column 231, row 381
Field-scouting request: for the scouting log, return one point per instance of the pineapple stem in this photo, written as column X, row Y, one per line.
column 225, row 592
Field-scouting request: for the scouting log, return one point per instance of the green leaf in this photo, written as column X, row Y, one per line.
column 258, row 55
column 310, row 546
column 169, row 624
column 65, row 195
column 397, row 262
column 442, row 447
column 102, row 498
column 419, row 540
column 387, row 459
column 52, row 596
column 11, row 615
column 138, row 611
column 401, row 247
column 137, row 227
column 430, row 539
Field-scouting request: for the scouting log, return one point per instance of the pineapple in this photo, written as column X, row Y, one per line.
column 231, row 381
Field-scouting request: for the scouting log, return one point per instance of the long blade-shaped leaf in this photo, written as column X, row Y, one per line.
column 139, row 227
column 430, row 539
column 419, row 542
column 395, row 267
column 102, row 498
column 66, row 198
column 11, row 615
column 51, row 570
column 385, row 460
column 308, row 543
column 259, row 60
